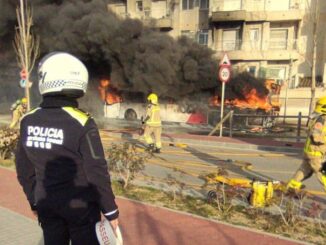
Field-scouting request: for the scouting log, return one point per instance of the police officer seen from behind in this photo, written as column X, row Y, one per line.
column 60, row 160
column 314, row 151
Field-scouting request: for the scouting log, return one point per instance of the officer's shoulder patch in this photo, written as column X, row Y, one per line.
column 81, row 116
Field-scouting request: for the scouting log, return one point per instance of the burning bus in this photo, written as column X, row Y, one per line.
column 132, row 106
column 247, row 95
column 250, row 96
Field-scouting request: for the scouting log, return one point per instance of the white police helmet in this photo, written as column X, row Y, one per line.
column 62, row 74
column 105, row 234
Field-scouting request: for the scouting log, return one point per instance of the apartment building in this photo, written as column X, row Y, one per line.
column 186, row 17
column 268, row 38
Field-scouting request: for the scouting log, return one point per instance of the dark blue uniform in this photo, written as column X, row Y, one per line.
column 61, row 167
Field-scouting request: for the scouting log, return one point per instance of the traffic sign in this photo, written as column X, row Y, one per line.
column 225, row 60
column 224, row 73
column 22, row 83
column 23, row 74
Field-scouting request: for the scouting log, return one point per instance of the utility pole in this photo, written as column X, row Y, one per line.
column 26, row 46
column 286, row 89
column 314, row 15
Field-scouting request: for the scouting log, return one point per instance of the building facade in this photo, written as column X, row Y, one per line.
column 273, row 39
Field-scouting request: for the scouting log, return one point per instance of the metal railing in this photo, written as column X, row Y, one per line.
column 231, row 119
column 272, row 44
column 255, row 5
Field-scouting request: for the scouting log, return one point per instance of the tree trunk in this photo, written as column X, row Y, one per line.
column 314, row 58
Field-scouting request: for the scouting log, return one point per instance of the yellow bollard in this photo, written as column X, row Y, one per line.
column 258, row 195
column 262, row 193
column 269, row 191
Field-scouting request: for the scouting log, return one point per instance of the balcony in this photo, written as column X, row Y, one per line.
column 162, row 23
column 157, row 18
column 254, row 50
column 256, row 10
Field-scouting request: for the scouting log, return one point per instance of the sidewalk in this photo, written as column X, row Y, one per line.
column 141, row 224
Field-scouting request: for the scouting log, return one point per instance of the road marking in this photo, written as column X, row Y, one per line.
column 227, row 153
column 115, row 139
column 273, row 171
column 195, row 174
column 313, row 192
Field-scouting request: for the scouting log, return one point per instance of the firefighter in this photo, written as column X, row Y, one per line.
column 153, row 125
column 18, row 111
column 314, row 149
column 60, row 160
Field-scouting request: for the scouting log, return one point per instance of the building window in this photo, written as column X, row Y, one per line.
column 276, row 73
column 278, row 39
column 139, row 6
column 158, row 9
column 254, row 39
column 187, row 4
column 204, row 4
column 231, row 40
column 203, row 37
column 252, row 70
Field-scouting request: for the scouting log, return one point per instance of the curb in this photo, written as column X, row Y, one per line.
column 218, row 222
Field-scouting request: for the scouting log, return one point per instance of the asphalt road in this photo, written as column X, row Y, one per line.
column 190, row 162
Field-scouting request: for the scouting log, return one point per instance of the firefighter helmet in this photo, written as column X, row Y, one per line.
column 321, row 106
column 62, row 74
column 23, row 100
column 105, row 234
column 152, row 98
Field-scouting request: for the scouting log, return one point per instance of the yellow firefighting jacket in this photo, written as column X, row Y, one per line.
column 17, row 114
column 315, row 145
column 153, row 115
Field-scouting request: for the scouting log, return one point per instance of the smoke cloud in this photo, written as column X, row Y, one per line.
column 242, row 84
column 136, row 58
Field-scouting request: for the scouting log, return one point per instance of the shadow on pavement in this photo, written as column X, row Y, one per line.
column 227, row 165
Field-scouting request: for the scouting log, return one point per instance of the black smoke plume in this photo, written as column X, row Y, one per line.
column 242, row 84
column 135, row 57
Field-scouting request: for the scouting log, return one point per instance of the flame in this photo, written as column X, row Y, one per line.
column 108, row 94
column 253, row 100
column 213, row 101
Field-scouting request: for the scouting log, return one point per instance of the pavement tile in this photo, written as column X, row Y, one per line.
column 141, row 224
column 16, row 229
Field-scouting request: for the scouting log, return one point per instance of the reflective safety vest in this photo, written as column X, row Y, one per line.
column 310, row 148
column 153, row 112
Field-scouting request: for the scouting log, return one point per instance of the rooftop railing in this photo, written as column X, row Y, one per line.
column 255, row 5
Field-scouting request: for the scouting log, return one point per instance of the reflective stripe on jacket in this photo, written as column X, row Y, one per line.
column 153, row 113
column 315, row 144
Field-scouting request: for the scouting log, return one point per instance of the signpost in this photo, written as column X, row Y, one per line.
column 224, row 75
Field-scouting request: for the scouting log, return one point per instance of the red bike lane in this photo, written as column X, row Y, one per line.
column 144, row 224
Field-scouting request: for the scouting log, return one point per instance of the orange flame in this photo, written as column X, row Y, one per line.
column 252, row 101
column 107, row 93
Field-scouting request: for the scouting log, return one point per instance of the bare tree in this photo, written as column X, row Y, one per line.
column 26, row 45
column 314, row 16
